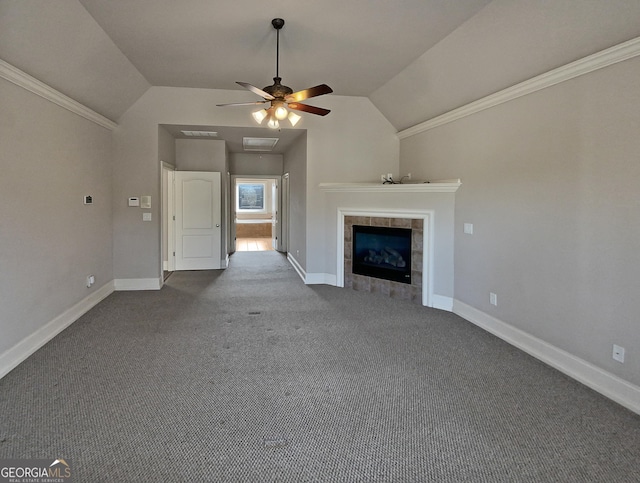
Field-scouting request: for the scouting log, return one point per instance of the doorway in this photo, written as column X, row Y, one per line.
column 255, row 205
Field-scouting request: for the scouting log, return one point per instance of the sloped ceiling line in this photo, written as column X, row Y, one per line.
column 24, row 80
column 605, row 58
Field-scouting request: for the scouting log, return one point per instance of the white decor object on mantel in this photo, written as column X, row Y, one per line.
column 440, row 186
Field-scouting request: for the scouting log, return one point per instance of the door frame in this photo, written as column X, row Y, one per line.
column 278, row 200
column 167, row 210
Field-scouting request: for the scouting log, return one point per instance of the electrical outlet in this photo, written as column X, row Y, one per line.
column 389, row 175
column 408, row 175
column 90, row 280
column 493, row 299
column 382, row 178
column 618, row 353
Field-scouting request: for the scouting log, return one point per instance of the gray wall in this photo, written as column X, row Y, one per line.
column 201, row 155
column 550, row 182
column 50, row 241
column 256, row 164
column 295, row 163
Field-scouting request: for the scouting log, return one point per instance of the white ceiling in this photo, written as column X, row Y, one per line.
column 414, row 59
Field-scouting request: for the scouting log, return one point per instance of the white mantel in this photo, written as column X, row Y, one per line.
column 441, row 186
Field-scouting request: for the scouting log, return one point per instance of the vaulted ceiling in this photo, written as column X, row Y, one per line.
column 414, row 59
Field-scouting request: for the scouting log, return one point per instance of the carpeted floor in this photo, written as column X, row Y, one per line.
column 249, row 375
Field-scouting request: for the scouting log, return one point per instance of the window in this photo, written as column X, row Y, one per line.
column 250, row 198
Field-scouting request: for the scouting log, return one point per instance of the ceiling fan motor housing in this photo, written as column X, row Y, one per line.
column 277, row 90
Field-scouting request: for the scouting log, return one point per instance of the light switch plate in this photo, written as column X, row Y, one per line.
column 146, row 216
column 468, row 228
column 145, row 202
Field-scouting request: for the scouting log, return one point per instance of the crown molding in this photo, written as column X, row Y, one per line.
column 24, row 80
column 613, row 55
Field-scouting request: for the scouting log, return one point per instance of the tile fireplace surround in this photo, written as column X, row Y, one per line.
column 387, row 288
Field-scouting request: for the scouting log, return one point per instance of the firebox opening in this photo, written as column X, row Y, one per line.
column 382, row 252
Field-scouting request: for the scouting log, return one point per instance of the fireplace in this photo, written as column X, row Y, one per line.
column 402, row 288
column 382, row 252
column 412, row 206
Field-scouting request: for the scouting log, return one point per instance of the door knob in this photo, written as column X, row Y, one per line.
column 217, row 225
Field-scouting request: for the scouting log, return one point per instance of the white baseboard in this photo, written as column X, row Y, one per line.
column 297, row 266
column 126, row 284
column 320, row 279
column 10, row 359
column 442, row 302
column 311, row 278
column 607, row 384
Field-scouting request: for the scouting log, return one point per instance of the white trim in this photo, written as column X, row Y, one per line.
column 11, row 358
column 611, row 386
column 297, row 266
column 132, row 284
column 320, row 279
column 24, row 80
column 427, row 243
column 442, row 302
column 605, row 58
column 447, row 186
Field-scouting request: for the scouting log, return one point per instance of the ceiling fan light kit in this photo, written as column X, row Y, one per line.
column 281, row 97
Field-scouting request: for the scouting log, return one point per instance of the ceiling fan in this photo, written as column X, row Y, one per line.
column 281, row 97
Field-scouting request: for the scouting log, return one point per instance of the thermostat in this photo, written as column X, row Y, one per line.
column 134, row 201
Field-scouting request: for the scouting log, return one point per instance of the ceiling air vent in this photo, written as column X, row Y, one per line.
column 201, row 134
column 259, row 144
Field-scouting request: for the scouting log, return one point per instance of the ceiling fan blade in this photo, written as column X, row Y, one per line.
column 241, row 103
column 308, row 93
column 307, row 108
column 255, row 90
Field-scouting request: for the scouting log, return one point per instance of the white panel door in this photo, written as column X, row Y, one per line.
column 198, row 220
